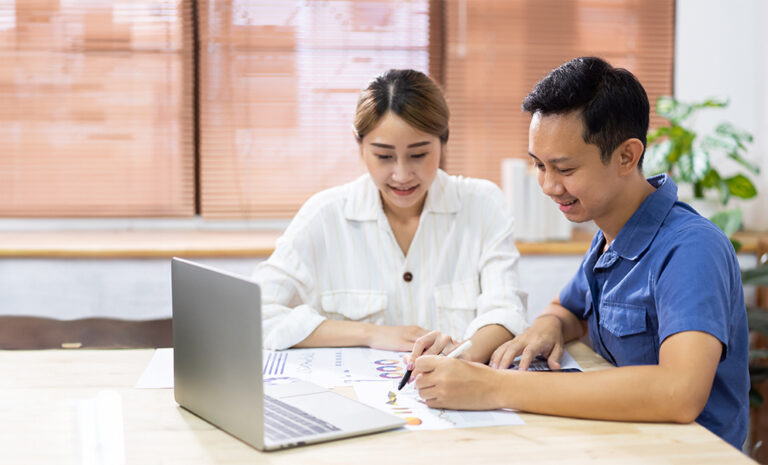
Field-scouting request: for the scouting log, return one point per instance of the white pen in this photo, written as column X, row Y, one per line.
column 460, row 350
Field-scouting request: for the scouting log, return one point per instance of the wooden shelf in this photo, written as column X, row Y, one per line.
column 205, row 243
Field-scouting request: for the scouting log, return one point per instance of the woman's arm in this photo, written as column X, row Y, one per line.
column 333, row 333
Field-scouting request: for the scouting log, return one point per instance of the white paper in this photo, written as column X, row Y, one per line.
column 332, row 367
column 418, row 416
column 328, row 367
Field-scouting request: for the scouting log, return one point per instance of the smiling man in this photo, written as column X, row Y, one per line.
column 659, row 291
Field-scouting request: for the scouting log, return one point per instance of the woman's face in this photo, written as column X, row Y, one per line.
column 403, row 162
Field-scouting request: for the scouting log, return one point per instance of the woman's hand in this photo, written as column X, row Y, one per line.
column 397, row 338
column 545, row 337
column 432, row 343
column 456, row 384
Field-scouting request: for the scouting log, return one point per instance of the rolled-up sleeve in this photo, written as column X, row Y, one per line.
column 500, row 301
column 285, row 285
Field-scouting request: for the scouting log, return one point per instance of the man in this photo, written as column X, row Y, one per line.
column 659, row 290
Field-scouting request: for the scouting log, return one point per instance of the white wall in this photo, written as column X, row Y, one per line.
column 722, row 50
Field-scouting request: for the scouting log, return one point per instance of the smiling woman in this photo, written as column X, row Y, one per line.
column 405, row 257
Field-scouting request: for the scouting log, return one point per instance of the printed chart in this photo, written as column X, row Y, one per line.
column 418, row 416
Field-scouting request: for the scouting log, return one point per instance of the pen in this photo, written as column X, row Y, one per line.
column 454, row 354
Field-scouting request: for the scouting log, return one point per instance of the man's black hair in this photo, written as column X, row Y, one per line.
column 612, row 101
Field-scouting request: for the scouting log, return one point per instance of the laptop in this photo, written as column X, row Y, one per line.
column 217, row 360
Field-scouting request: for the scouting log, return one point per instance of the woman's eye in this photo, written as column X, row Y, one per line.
column 382, row 157
column 539, row 166
column 419, row 155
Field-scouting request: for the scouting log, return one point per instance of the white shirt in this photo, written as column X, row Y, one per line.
column 339, row 259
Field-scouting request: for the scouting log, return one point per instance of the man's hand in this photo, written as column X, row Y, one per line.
column 545, row 337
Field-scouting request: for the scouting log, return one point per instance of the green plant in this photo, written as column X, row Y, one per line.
column 688, row 157
column 679, row 150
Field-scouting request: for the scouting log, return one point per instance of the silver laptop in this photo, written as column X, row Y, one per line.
column 217, row 360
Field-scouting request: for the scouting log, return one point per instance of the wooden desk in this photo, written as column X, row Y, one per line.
column 40, row 391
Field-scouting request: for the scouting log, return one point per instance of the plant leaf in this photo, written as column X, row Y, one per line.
column 655, row 158
column 736, row 245
column 736, row 156
column 741, row 186
column 724, row 190
column 682, row 141
column 699, row 164
column 729, row 220
column 737, row 134
column 672, row 109
column 712, row 179
column 712, row 102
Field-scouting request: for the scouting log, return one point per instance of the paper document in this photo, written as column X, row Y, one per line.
column 418, row 416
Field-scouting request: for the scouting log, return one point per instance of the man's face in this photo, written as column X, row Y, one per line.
column 570, row 171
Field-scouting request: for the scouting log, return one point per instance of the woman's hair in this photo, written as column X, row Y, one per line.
column 409, row 94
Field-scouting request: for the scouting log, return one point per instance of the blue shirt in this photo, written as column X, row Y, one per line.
column 669, row 270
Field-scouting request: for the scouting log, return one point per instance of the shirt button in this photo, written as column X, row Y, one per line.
column 408, row 276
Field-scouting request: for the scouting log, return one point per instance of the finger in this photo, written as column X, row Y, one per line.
column 528, row 354
column 513, row 351
column 422, row 382
column 497, row 354
column 439, row 345
column 420, row 345
column 554, row 357
column 428, row 394
column 426, row 364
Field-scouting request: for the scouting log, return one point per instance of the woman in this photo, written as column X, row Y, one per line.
column 403, row 249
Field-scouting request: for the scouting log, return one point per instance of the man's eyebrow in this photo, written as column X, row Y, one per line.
column 554, row 160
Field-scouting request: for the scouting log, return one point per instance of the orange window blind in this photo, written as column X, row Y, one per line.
column 97, row 108
column 279, row 82
column 496, row 51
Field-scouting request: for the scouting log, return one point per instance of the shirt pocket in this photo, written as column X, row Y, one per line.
column 626, row 335
column 357, row 305
column 456, row 306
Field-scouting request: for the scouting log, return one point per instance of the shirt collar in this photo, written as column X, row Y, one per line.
column 637, row 234
column 364, row 201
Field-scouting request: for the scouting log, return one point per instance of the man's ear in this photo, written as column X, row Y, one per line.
column 629, row 154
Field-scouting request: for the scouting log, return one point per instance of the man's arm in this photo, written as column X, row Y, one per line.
column 675, row 390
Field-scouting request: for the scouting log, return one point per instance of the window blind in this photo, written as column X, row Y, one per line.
column 97, row 108
column 496, row 51
column 279, row 83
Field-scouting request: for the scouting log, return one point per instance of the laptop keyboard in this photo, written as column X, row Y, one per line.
column 282, row 421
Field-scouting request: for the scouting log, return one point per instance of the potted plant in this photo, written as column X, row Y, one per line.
column 688, row 157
